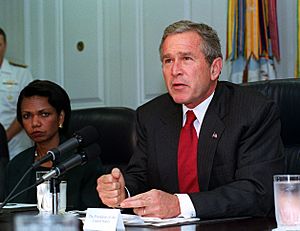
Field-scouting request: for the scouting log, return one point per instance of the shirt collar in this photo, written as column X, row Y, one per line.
column 5, row 67
column 199, row 110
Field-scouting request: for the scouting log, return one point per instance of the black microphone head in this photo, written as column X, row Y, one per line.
column 86, row 136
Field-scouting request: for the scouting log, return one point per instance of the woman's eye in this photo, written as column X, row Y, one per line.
column 45, row 114
column 25, row 116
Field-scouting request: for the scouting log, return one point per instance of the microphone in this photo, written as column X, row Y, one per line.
column 81, row 158
column 81, row 138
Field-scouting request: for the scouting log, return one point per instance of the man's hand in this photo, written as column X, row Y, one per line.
column 154, row 203
column 111, row 188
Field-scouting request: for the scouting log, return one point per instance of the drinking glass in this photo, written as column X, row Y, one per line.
column 44, row 195
column 287, row 201
column 48, row 222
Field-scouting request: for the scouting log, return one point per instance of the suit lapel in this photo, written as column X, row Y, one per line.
column 25, row 164
column 210, row 134
column 168, row 132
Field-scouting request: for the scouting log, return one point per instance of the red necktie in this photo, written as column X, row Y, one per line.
column 187, row 156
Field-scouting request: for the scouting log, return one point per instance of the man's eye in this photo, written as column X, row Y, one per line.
column 187, row 58
column 166, row 61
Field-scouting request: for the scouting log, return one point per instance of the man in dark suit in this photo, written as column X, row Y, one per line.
column 238, row 133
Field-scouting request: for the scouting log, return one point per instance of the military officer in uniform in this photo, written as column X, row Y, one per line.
column 13, row 78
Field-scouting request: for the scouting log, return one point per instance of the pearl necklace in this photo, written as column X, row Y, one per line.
column 36, row 155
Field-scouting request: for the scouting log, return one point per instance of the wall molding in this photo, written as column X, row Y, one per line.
column 60, row 41
column 140, row 52
column 127, row 71
column 27, row 32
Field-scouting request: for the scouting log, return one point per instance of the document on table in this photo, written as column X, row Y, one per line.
column 134, row 220
column 14, row 207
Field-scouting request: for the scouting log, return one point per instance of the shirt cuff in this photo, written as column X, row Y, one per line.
column 186, row 206
column 127, row 191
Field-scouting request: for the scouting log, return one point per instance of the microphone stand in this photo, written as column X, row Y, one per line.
column 55, row 189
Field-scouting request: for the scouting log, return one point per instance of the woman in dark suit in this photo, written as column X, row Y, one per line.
column 44, row 110
column 3, row 159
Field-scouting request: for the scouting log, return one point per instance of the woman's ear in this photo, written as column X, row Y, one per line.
column 61, row 118
column 215, row 68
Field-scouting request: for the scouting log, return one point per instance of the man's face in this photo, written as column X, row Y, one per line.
column 188, row 76
column 2, row 48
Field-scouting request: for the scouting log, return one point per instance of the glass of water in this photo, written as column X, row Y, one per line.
column 287, row 201
column 44, row 195
column 46, row 223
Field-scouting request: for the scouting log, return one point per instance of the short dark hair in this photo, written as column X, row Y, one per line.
column 210, row 47
column 3, row 34
column 57, row 98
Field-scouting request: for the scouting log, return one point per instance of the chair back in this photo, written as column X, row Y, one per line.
column 116, row 128
column 286, row 93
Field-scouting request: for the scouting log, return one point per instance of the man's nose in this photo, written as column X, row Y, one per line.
column 176, row 68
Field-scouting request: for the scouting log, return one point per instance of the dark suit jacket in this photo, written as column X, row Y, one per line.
column 235, row 165
column 4, row 158
column 81, row 181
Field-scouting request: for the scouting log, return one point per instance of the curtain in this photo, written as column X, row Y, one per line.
column 252, row 40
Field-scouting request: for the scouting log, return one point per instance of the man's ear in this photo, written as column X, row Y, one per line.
column 216, row 67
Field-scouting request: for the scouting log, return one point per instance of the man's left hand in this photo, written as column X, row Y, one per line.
column 154, row 203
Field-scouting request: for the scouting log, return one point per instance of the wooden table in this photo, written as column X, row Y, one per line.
column 251, row 224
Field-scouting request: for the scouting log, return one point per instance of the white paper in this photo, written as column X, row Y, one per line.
column 102, row 219
column 18, row 205
column 134, row 220
column 286, row 229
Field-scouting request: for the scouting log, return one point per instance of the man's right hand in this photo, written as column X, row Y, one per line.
column 111, row 188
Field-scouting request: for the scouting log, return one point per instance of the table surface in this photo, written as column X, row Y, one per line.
column 253, row 224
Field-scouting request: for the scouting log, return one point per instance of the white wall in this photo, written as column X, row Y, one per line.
column 12, row 21
column 119, row 65
column 287, row 27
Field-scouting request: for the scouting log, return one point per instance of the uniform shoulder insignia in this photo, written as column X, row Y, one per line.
column 17, row 64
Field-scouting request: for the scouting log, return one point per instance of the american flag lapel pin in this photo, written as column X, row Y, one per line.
column 214, row 135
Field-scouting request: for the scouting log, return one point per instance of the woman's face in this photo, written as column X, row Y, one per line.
column 40, row 120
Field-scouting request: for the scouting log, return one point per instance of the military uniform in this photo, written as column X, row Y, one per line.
column 12, row 80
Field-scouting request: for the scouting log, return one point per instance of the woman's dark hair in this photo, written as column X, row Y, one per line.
column 57, row 98
column 3, row 34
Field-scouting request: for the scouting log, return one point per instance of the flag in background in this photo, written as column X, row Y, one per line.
column 252, row 39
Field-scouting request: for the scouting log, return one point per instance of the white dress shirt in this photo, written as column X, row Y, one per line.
column 12, row 80
column 186, row 206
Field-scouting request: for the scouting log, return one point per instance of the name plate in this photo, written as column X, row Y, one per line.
column 103, row 219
